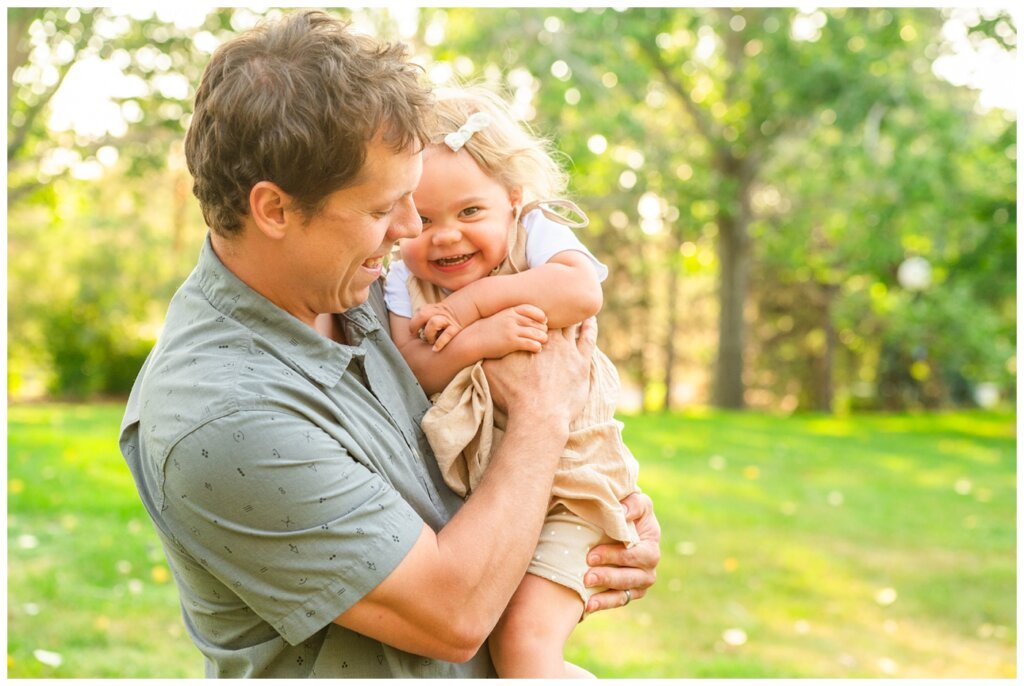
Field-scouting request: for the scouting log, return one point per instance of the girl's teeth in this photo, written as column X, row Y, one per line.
column 448, row 261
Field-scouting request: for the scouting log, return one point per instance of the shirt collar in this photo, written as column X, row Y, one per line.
column 318, row 357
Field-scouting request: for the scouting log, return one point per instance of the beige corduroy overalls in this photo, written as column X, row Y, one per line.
column 596, row 469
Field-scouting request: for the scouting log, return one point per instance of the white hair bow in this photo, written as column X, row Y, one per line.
column 476, row 122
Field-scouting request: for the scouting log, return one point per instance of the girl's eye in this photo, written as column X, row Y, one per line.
column 470, row 211
column 424, row 220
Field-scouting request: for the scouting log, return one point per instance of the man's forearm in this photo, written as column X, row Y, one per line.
column 492, row 537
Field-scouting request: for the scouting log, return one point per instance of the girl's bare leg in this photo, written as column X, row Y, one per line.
column 530, row 637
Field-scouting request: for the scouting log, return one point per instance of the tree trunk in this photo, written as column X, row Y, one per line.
column 734, row 268
column 670, row 335
column 824, row 390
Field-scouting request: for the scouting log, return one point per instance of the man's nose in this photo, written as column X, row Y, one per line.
column 406, row 222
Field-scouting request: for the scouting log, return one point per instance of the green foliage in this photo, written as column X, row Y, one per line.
column 862, row 547
column 89, row 280
column 818, row 146
column 842, row 149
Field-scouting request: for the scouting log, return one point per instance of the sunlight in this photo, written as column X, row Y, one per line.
column 84, row 103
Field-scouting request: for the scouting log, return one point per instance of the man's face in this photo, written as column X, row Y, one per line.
column 343, row 246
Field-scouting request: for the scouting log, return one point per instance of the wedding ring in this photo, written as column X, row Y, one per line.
column 629, row 597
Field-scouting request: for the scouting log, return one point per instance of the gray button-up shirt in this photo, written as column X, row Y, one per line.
column 286, row 475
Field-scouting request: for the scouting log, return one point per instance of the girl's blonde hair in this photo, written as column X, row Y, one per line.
column 506, row 149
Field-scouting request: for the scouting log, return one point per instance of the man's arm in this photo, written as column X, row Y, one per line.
column 447, row 594
column 566, row 288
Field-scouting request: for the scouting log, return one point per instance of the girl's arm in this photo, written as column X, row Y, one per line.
column 566, row 288
column 514, row 328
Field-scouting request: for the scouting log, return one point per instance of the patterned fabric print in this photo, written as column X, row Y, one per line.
column 286, row 475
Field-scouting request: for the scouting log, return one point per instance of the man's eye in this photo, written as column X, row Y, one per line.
column 424, row 220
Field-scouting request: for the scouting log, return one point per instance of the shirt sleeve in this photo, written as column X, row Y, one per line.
column 546, row 238
column 396, row 290
column 280, row 513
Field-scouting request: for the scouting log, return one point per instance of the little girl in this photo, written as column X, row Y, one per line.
column 487, row 276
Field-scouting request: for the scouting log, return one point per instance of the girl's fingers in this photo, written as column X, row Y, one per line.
column 532, row 312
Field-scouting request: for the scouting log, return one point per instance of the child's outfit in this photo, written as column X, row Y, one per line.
column 596, row 470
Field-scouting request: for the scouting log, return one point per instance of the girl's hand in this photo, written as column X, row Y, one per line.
column 523, row 327
column 435, row 325
column 621, row 568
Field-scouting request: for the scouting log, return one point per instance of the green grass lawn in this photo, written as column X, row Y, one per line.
column 804, row 547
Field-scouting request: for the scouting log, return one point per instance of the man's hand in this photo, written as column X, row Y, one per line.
column 621, row 568
column 551, row 384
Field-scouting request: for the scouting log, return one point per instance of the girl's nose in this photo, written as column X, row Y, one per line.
column 446, row 236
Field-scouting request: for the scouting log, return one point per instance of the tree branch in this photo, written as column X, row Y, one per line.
column 675, row 83
column 21, row 132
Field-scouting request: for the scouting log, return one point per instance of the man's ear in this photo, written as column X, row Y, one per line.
column 516, row 195
column 269, row 207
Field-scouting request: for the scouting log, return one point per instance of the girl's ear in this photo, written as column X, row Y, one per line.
column 516, row 195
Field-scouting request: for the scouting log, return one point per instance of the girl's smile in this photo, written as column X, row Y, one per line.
column 466, row 218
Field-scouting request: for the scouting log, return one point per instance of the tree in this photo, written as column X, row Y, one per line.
column 730, row 100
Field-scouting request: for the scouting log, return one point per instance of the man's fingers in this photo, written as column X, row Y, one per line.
column 638, row 505
column 619, row 578
column 644, row 555
column 609, row 600
column 587, row 341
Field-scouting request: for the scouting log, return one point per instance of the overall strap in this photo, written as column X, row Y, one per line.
column 547, row 207
column 516, row 258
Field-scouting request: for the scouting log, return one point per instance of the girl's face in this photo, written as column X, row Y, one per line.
column 466, row 218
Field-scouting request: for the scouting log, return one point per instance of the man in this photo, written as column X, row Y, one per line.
column 303, row 517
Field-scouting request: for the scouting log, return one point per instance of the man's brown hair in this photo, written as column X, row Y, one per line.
column 296, row 102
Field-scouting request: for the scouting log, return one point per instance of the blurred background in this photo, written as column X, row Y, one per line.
column 809, row 216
